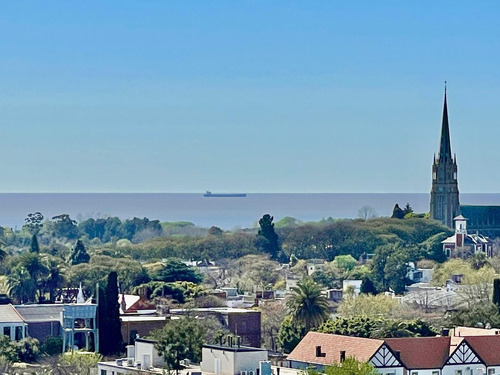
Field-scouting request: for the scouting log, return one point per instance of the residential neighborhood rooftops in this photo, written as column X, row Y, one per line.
column 222, row 310
column 331, row 346
column 421, row 353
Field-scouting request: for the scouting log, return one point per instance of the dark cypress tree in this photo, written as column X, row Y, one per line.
column 271, row 245
column 79, row 254
column 496, row 293
column 113, row 342
column 397, row 212
column 367, row 286
column 34, row 247
column 102, row 322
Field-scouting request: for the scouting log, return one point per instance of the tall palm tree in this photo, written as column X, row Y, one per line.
column 36, row 265
column 307, row 305
column 56, row 276
column 21, row 286
column 3, row 253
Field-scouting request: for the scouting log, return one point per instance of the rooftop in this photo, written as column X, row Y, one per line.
column 8, row 314
column 421, row 352
column 40, row 313
column 331, row 346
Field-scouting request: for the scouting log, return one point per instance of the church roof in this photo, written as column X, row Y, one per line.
column 445, row 146
column 460, row 217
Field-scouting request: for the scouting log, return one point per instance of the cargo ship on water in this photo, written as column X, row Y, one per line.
column 209, row 194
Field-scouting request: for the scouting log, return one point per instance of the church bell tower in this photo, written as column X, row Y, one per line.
column 445, row 204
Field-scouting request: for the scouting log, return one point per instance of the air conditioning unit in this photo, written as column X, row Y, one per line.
column 130, row 362
column 251, row 372
column 243, row 373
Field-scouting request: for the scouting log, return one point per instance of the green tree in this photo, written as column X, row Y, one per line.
column 397, row 212
column 36, row 265
column 391, row 328
column 478, row 315
column 110, row 337
column 359, row 326
column 367, row 286
column 34, row 247
column 56, row 276
column 351, row 366
column 271, row 244
column 175, row 270
column 290, row 334
column 21, row 286
column 64, row 226
column 181, row 339
column 3, row 254
column 79, row 254
column 33, row 223
column 407, row 210
column 479, row 260
column 367, row 305
column 79, row 363
column 390, row 266
column 496, row 293
column 307, row 306
column 345, row 262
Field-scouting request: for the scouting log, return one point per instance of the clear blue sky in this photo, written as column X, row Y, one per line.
column 250, row 96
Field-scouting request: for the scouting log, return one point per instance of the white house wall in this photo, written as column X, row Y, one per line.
column 425, row 372
column 232, row 362
column 249, row 361
column 391, row 370
column 142, row 348
column 476, row 368
column 226, row 358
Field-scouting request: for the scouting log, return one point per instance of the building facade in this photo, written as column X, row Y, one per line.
column 463, row 245
column 445, row 204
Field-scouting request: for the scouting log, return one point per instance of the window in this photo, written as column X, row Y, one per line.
column 458, row 372
column 414, row 373
column 435, row 372
column 19, row 333
column 491, row 371
column 6, row 331
column 104, row 372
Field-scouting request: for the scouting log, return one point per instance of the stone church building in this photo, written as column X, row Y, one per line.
column 445, row 203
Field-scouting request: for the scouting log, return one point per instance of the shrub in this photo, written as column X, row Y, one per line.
column 52, row 346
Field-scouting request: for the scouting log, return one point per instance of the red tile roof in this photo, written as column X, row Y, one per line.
column 421, row 352
column 487, row 347
column 331, row 346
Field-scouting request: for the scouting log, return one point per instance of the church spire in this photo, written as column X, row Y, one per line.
column 445, row 147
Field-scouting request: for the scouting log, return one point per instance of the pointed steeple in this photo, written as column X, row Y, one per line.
column 445, row 147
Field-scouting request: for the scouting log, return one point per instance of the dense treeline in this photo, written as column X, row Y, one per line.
column 41, row 257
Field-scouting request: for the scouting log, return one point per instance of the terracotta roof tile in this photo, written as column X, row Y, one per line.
column 331, row 346
column 487, row 347
column 421, row 352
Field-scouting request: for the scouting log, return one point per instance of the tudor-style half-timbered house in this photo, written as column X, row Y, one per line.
column 488, row 350
column 412, row 356
column 464, row 361
column 386, row 361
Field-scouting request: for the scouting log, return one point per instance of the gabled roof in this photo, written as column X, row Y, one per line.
column 421, row 352
column 331, row 346
column 8, row 314
column 487, row 347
